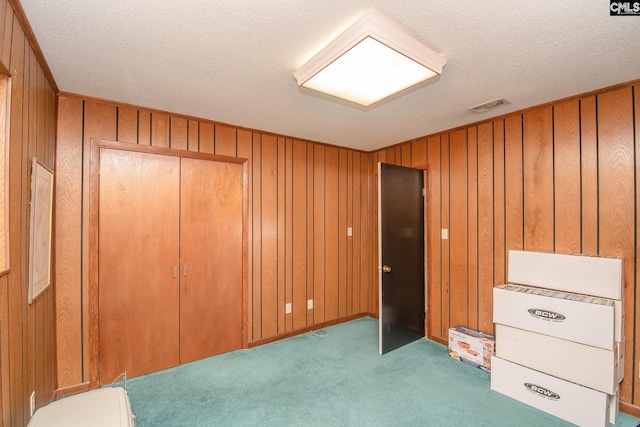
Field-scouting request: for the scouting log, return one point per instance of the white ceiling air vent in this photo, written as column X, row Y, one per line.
column 481, row 108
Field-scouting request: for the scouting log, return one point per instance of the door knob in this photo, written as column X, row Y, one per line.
column 386, row 269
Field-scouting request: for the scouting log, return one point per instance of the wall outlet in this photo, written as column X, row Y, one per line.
column 32, row 402
column 287, row 308
column 445, row 233
column 309, row 304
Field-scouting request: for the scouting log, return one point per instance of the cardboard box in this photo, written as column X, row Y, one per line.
column 563, row 399
column 472, row 347
column 580, row 318
column 580, row 274
column 614, row 407
column 593, row 367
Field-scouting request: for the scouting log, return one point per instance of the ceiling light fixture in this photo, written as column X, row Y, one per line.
column 370, row 61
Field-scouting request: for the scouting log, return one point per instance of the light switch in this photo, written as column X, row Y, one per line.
column 445, row 233
column 309, row 304
column 287, row 308
column 349, row 231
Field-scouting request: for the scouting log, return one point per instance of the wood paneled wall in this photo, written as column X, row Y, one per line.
column 303, row 196
column 561, row 177
column 26, row 330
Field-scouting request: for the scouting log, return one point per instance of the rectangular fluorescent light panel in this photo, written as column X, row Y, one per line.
column 369, row 62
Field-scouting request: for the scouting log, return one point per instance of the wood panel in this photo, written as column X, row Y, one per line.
column 458, row 232
column 350, row 243
column 193, row 136
column 288, row 222
column 207, row 131
column 616, row 226
column 178, row 133
column 127, row 125
column 485, row 227
column 514, row 203
column 68, row 242
column 144, row 127
column 342, row 233
column 434, row 243
column 319, row 233
column 256, row 291
column 419, row 154
column 22, row 370
column 225, row 140
column 299, row 232
column 589, row 176
column 26, row 331
column 357, row 232
column 282, row 233
column 160, row 136
column 566, row 166
column 472, row 221
column 538, row 179
column 332, row 233
column 310, row 169
column 269, row 235
column 366, row 292
column 499, row 257
column 446, row 225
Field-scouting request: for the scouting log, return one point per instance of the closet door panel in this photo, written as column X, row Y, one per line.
column 138, row 249
column 211, row 258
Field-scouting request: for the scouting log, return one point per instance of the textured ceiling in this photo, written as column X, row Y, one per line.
column 232, row 61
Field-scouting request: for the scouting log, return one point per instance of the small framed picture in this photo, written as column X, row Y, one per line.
column 41, row 211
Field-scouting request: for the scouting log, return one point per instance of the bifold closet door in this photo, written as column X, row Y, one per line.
column 138, row 251
column 211, row 258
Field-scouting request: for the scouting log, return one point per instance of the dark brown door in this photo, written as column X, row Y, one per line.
column 138, row 251
column 211, row 259
column 401, row 259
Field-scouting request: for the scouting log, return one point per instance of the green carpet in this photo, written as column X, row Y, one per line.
column 339, row 380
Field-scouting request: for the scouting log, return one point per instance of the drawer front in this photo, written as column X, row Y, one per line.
column 586, row 323
column 568, row 401
column 598, row 368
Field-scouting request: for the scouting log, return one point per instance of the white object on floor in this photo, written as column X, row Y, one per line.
column 107, row 407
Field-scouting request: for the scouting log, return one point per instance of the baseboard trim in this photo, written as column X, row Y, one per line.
column 72, row 389
column 304, row 330
column 630, row 409
column 438, row 340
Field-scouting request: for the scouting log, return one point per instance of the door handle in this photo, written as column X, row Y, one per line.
column 386, row 269
column 175, row 271
column 184, row 270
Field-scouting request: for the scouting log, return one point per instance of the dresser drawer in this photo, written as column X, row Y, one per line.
column 597, row 367
column 579, row 318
